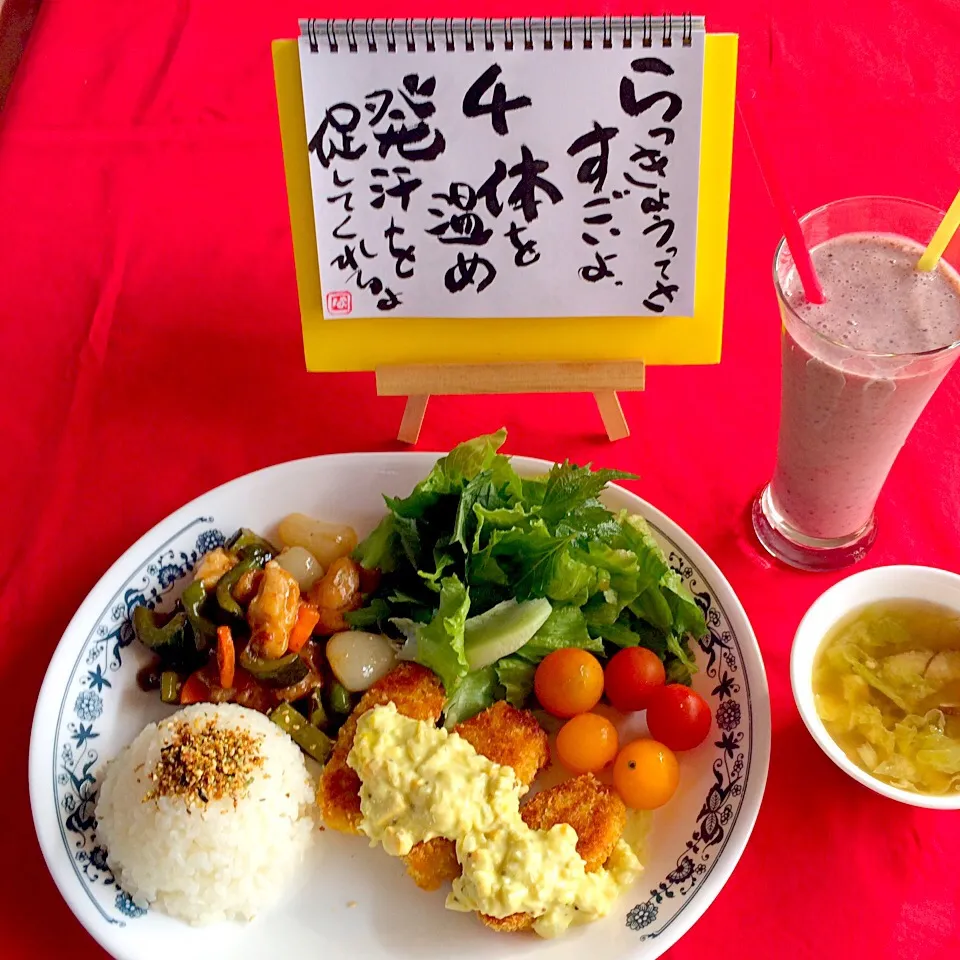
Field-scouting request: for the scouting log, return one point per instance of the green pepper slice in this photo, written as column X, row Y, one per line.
column 244, row 538
column 228, row 581
column 172, row 642
column 158, row 638
column 285, row 671
column 204, row 629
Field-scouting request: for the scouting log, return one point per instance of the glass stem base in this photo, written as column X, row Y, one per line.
column 789, row 545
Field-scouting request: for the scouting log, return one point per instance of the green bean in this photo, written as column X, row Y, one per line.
column 318, row 714
column 340, row 699
column 313, row 742
column 170, row 686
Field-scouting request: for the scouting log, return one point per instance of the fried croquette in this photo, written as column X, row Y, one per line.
column 515, row 923
column 433, row 863
column 505, row 735
column 417, row 693
column 594, row 810
column 510, row 737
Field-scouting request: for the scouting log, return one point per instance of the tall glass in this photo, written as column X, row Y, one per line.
column 845, row 413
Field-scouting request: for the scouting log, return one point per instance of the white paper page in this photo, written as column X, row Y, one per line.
column 431, row 202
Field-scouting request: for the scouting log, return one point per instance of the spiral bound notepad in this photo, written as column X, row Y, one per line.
column 505, row 168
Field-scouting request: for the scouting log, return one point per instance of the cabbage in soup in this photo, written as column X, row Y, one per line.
column 886, row 683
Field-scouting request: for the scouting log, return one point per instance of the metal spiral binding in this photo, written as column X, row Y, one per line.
column 469, row 34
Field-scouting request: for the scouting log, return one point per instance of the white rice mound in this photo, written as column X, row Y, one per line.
column 225, row 860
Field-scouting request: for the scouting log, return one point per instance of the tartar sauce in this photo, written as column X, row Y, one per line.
column 419, row 782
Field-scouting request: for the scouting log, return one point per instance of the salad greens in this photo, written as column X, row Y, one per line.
column 474, row 535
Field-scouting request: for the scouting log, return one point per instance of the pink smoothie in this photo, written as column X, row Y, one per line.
column 845, row 415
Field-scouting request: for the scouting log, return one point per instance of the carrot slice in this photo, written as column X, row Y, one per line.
column 226, row 656
column 195, row 690
column 307, row 617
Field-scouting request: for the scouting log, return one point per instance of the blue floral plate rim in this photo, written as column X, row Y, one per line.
column 707, row 859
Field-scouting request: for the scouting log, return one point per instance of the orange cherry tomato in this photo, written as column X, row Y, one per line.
column 587, row 743
column 646, row 774
column 568, row 682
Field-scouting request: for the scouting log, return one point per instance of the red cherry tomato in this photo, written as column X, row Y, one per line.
column 631, row 677
column 678, row 717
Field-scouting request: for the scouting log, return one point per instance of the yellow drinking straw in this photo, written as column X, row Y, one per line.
column 946, row 230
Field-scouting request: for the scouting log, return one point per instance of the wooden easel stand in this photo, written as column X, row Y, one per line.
column 417, row 382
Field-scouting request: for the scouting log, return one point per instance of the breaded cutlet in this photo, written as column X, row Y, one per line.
column 510, row 737
column 433, row 863
column 505, row 735
column 595, row 812
column 515, row 923
column 417, row 693
column 592, row 808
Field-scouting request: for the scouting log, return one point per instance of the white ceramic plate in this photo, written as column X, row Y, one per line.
column 350, row 900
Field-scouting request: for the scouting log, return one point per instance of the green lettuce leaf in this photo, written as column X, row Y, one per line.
column 635, row 535
column 498, row 518
column 505, row 479
column 409, row 534
column 602, row 609
column 572, row 580
column 449, row 475
column 483, row 568
column 630, row 632
column 424, row 497
column 516, row 677
column 379, row 550
column 565, row 627
column 653, row 607
column 475, row 692
column 539, row 564
column 677, row 671
column 377, row 612
column 440, row 642
column 688, row 618
column 442, row 561
column 468, row 459
column 480, row 492
column 626, row 578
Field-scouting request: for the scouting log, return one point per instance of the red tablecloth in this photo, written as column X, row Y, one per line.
column 150, row 349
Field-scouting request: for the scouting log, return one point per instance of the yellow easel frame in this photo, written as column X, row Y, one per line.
column 428, row 344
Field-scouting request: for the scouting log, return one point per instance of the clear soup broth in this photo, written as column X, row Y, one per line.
column 886, row 683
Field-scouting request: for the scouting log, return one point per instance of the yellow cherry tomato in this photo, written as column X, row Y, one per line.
column 587, row 743
column 646, row 774
column 568, row 682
